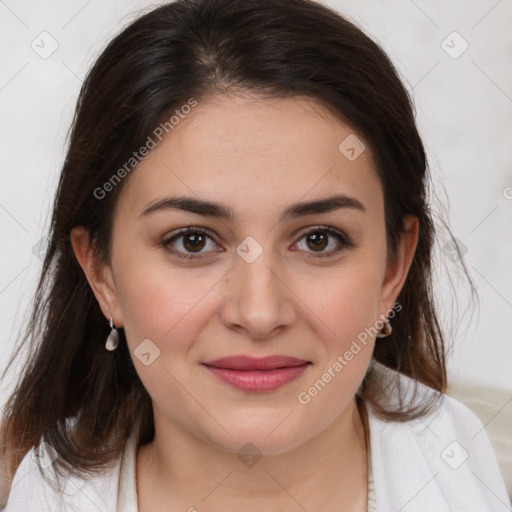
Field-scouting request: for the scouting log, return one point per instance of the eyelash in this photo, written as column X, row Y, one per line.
column 341, row 237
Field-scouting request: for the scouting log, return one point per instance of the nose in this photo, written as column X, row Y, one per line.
column 259, row 300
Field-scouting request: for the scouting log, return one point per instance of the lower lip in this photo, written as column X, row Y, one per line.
column 258, row 380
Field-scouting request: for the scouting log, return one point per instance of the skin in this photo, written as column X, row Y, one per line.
column 256, row 156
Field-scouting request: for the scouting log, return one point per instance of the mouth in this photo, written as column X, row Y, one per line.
column 257, row 374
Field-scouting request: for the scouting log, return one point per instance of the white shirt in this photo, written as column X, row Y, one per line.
column 442, row 462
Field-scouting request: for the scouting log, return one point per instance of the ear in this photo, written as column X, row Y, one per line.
column 98, row 274
column 397, row 270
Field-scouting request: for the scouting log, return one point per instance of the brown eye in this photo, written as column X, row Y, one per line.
column 194, row 242
column 189, row 243
column 317, row 241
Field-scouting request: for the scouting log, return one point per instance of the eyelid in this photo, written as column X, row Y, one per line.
column 188, row 230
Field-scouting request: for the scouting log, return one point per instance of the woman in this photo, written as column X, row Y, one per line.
column 236, row 307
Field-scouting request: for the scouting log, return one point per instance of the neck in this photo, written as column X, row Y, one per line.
column 328, row 472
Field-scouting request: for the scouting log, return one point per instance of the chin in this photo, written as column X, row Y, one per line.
column 265, row 436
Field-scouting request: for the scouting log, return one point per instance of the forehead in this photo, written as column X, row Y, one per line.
column 245, row 150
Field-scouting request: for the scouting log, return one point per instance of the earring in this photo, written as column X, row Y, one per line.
column 113, row 337
column 386, row 330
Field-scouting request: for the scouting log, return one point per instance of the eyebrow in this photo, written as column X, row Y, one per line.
column 221, row 211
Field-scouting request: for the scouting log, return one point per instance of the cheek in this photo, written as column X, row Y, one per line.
column 166, row 304
column 347, row 312
column 346, row 302
column 169, row 309
column 159, row 306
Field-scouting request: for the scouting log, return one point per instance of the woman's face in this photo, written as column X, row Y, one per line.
column 260, row 283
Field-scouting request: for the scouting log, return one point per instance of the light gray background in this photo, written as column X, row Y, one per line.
column 464, row 111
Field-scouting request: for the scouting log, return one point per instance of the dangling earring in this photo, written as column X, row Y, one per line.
column 113, row 337
column 386, row 330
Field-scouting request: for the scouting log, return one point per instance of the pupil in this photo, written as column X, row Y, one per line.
column 319, row 240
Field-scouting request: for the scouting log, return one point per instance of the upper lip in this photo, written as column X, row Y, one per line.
column 253, row 363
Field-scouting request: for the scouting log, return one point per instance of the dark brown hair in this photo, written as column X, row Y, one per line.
column 199, row 48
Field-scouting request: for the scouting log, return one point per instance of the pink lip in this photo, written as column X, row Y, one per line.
column 257, row 374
